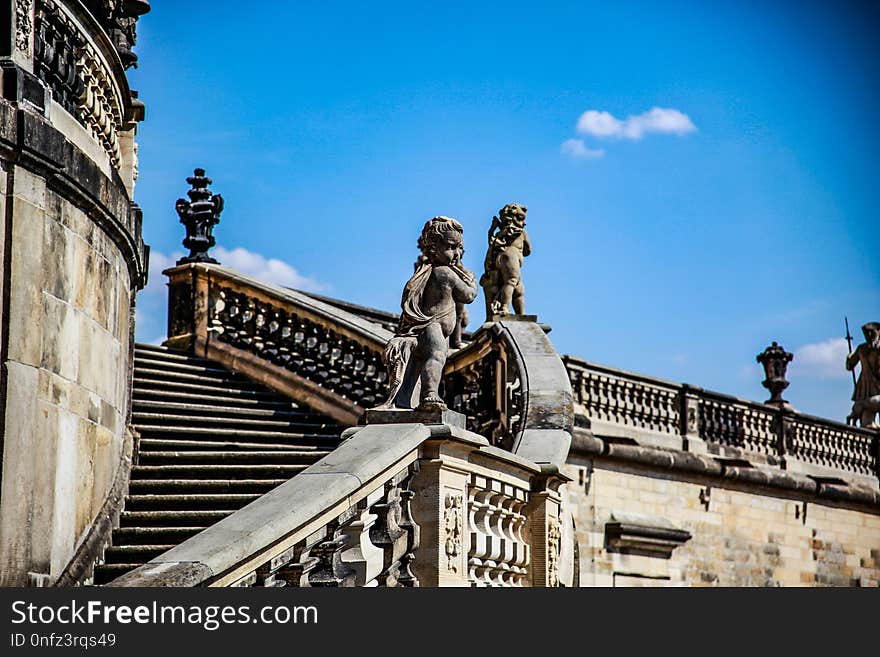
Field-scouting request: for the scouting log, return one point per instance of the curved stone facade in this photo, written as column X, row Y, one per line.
column 72, row 259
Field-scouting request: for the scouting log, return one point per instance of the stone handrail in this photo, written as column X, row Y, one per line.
column 394, row 505
column 511, row 384
column 302, row 347
column 620, row 405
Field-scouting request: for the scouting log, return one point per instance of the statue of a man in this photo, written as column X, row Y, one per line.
column 866, row 396
column 508, row 245
column 432, row 300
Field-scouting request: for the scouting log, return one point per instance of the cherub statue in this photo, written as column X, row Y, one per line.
column 866, row 396
column 501, row 280
column 432, row 301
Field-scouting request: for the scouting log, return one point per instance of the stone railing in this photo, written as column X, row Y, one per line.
column 511, row 384
column 295, row 344
column 394, row 505
column 74, row 56
column 618, row 405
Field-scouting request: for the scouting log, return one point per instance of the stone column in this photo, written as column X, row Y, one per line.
column 188, row 308
column 440, row 509
column 545, row 531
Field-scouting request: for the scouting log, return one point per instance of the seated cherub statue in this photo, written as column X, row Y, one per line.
column 502, row 280
column 432, row 300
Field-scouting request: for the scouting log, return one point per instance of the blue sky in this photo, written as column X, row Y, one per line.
column 677, row 243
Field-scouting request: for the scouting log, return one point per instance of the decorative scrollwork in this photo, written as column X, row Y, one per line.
column 22, row 24
column 553, row 538
column 453, row 526
column 489, row 392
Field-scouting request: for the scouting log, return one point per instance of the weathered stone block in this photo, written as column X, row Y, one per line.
column 60, row 332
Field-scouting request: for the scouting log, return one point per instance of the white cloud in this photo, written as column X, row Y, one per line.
column 824, row 360
column 270, row 270
column 579, row 151
column 156, row 282
column 656, row 120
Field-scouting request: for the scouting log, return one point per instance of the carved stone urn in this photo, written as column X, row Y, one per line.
column 199, row 215
column 775, row 360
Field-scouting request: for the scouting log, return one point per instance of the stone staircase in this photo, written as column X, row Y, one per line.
column 211, row 441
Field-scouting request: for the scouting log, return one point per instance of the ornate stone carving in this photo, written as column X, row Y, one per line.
column 80, row 81
column 199, row 215
column 22, row 24
column 431, row 305
column 775, row 360
column 508, row 245
column 489, row 392
column 553, row 537
column 866, row 395
column 453, row 526
column 118, row 18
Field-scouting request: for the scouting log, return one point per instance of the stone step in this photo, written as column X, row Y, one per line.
column 165, row 445
column 248, row 399
column 172, row 518
column 212, row 441
column 242, row 433
column 154, row 535
column 108, row 572
column 146, row 419
column 165, row 377
column 189, row 502
column 214, row 470
column 192, row 366
column 128, row 554
column 201, row 486
column 218, row 459
column 230, row 409
column 158, row 351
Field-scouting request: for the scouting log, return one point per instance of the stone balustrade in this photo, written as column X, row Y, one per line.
column 394, row 505
column 74, row 57
column 300, row 346
column 622, row 406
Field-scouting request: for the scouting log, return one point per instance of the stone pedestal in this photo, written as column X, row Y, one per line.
column 415, row 416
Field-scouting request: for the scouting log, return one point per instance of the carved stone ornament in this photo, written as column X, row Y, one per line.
column 199, row 215
column 775, row 360
column 453, row 526
column 502, row 278
column 866, row 395
column 118, row 18
column 23, row 24
column 553, row 536
column 431, row 306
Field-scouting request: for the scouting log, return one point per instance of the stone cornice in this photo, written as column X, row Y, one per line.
column 723, row 471
column 29, row 141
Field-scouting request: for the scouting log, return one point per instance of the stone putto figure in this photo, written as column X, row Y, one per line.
column 866, row 396
column 432, row 301
column 508, row 245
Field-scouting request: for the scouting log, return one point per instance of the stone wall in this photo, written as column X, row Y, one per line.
column 67, row 378
column 71, row 258
column 740, row 535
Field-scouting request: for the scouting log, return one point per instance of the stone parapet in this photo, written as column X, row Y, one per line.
column 623, row 408
column 394, row 505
